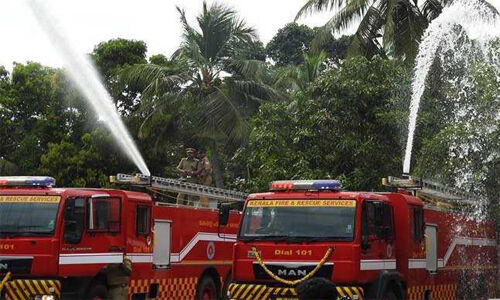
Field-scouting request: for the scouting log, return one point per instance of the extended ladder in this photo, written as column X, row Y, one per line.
column 178, row 186
column 431, row 190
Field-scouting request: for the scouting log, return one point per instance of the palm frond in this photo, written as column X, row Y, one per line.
column 223, row 116
column 432, row 8
column 154, row 80
column 369, row 31
column 249, row 68
column 410, row 24
column 318, row 5
column 351, row 12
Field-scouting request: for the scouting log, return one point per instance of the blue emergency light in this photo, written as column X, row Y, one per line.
column 42, row 181
column 316, row 185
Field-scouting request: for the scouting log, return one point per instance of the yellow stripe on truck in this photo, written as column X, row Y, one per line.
column 261, row 292
column 30, row 199
column 20, row 289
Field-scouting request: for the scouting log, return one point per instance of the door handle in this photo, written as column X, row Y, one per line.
column 116, row 249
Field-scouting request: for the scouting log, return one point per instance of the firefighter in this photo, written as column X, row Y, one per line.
column 188, row 169
column 204, row 175
column 117, row 276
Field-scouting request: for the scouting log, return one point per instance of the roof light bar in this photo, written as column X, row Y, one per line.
column 43, row 181
column 305, row 185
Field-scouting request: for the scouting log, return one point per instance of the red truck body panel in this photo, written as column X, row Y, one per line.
column 198, row 247
column 464, row 246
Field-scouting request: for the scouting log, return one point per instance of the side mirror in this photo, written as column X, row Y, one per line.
column 224, row 214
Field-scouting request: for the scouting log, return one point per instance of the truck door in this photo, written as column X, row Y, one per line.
column 377, row 237
column 92, row 235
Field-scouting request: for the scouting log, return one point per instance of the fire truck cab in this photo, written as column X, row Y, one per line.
column 57, row 243
column 370, row 245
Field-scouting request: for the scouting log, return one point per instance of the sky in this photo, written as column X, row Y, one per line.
column 89, row 22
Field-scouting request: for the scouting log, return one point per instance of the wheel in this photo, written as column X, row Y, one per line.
column 97, row 292
column 207, row 290
column 389, row 295
column 481, row 287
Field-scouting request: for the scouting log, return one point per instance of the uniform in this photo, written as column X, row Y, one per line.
column 189, row 165
column 192, row 165
column 205, row 178
column 117, row 277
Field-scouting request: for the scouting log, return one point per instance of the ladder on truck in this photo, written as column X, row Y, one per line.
column 431, row 191
column 178, row 186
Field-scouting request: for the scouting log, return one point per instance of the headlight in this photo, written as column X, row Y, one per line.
column 44, row 297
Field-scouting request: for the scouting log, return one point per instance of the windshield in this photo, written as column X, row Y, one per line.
column 299, row 219
column 27, row 215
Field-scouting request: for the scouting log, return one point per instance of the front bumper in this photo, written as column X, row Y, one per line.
column 261, row 291
column 26, row 289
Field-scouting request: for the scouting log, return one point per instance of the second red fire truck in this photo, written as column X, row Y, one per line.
column 57, row 242
column 394, row 245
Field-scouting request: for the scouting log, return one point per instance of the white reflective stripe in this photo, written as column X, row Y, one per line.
column 440, row 263
column 140, row 257
column 201, row 236
column 417, row 263
column 467, row 241
column 16, row 257
column 90, row 258
column 377, row 264
column 459, row 240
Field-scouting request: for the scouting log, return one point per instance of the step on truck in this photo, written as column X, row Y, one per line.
column 409, row 243
column 58, row 242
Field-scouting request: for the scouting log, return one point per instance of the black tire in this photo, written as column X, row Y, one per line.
column 207, row 289
column 481, row 287
column 389, row 295
column 97, row 291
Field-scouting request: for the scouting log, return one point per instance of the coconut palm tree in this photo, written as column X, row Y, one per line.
column 216, row 74
column 385, row 26
column 299, row 77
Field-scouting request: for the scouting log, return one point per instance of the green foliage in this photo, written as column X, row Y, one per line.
column 33, row 113
column 400, row 23
column 289, row 44
column 336, row 49
column 114, row 54
column 87, row 164
column 209, row 88
column 111, row 58
column 300, row 77
column 344, row 127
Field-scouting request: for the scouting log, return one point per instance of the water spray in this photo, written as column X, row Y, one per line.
column 86, row 78
column 481, row 23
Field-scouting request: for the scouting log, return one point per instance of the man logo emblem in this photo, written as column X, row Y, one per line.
column 291, row 272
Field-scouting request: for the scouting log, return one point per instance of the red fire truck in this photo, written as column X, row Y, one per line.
column 393, row 245
column 57, row 242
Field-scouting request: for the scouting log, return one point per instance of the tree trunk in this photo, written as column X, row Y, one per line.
column 216, row 166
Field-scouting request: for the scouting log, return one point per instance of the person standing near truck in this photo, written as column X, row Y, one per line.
column 188, row 170
column 204, row 175
column 117, row 276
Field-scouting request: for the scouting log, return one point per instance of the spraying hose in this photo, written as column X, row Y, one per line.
column 292, row 282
